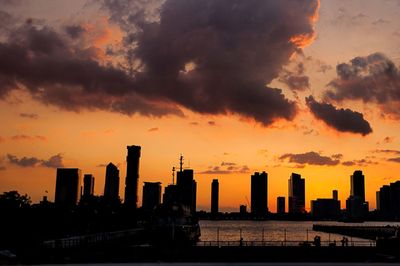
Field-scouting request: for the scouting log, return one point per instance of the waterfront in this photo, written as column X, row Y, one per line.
column 275, row 231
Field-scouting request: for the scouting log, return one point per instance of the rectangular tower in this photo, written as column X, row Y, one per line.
column 259, row 194
column 297, row 194
column 214, row 196
column 151, row 195
column 132, row 176
column 88, row 185
column 68, row 184
column 358, row 185
column 280, row 205
column 111, row 186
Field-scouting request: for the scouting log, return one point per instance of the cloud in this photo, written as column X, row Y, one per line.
column 102, row 165
column 226, row 168
column 24, row 161
column 361, row 162
column 53, row 162
column 371, row 79
column 211, row 123
column 388, row 151
column 153, row 129
column 296, row 80
column 310, row 158
column 29, row 115
column 28, row 138
column 343, row 120
column 212, row 57
column 396, row 159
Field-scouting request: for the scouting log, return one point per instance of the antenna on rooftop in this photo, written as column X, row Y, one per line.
column 173, row 175
column 181, row 163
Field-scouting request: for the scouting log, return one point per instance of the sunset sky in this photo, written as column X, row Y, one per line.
column 235, row 86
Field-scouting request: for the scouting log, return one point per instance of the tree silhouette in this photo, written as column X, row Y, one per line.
column 13, row 200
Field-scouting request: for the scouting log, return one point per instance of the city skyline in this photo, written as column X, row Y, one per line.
column 75, row 89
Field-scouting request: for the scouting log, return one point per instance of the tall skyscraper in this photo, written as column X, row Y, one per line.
column 389, row 201
column 214, row 196
column 132, row 175
column 88, row 185
column 151, row 195
column 280, row 205
column 68, row 186
column 111, row 186
column 356, row 206
column 259, row 194
column 187, row 187
column 357, row 185
column 297, row 198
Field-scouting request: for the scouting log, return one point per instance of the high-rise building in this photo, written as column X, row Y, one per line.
column 171, row 195
column 187, row 189
column 356, row 207
column 111, row 186
column 297, row 194
column 88, row 185
column 259, row 194
column 68, row 185
column 335, row 195
column 214, row 196
column 280, row 205
column 357, row 185
column 378, row 201
column 325, row 209
column 389, row 201
column 151, row 195
column 132, row 176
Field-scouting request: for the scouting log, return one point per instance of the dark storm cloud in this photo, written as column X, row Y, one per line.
column 344, row 120
column 311, row 158
column 74, row 31
column 296, row 80
column 47, row 66
column 388, row 151
column 23, row 137
column 371, row 79
column 212, row 57
column 53, row 162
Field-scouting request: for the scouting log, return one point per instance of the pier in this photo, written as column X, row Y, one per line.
column 366, row 232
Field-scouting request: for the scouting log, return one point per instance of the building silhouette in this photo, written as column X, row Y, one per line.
column 357, row 185
column 132, row 176
column 111, row 186
column 151, row 195
column 88, row 185
column 356, row 206
column 170, row 196
column 259, row 194
column 325, row 209
column 280, row 205
column 389, row 201
column 68, row 186
column 243, row 209
column 297, row 194
column 214, row 196
column 335, row 194
column 186, row 188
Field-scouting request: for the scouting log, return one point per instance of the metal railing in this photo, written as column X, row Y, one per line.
column 85, row 240
column 358, row 243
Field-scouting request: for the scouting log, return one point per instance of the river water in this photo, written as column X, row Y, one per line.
column 295, row 231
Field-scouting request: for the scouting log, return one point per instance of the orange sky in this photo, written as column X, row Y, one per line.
column 89, row 138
